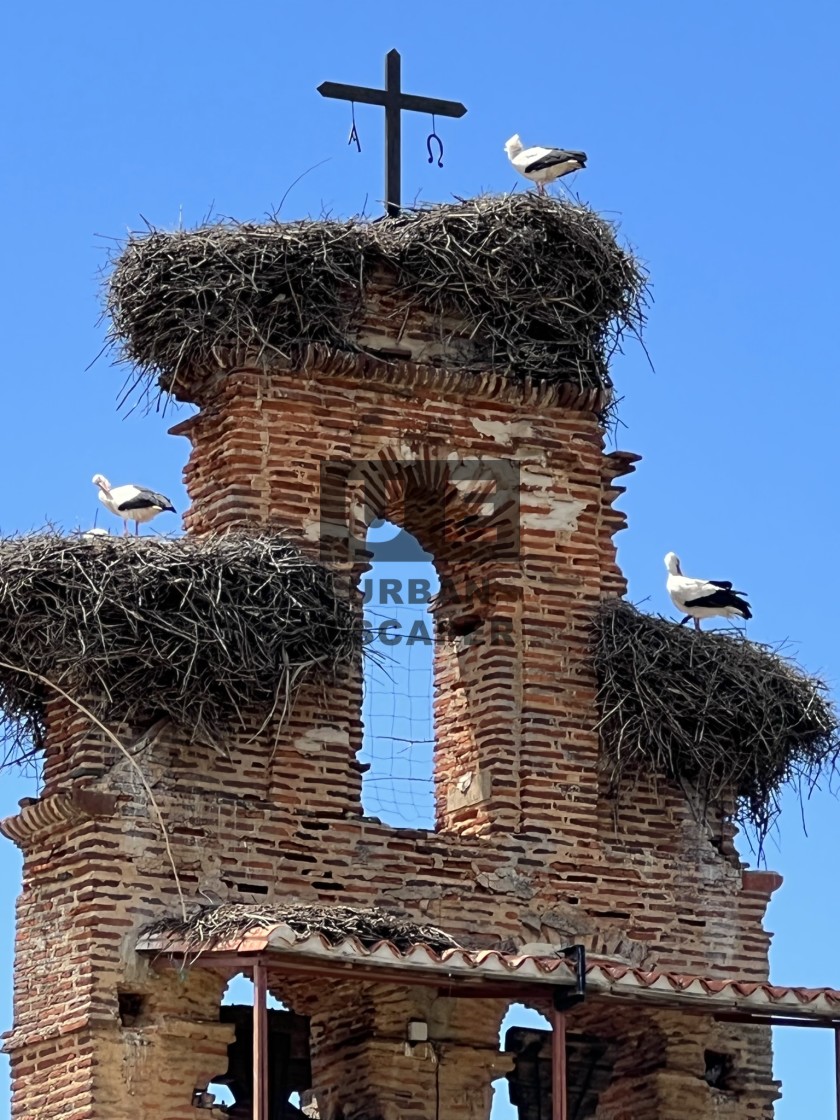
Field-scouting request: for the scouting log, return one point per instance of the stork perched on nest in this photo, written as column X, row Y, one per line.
column 543, row 165
column 131, row 503
column 703, row 598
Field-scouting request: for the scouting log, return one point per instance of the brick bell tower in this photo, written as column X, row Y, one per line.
column 447, row 371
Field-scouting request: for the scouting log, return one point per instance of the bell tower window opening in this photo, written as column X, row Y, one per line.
column 506, row 1104
column 231, row 1089
column 397, row 709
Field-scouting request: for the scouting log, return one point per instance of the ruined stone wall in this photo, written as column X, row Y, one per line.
column 361, row 1065
column 661, row 1064
column 529, row 849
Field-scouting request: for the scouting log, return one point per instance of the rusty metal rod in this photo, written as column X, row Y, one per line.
column 759, row 1020
column 559, row 1110
column 260, row 1039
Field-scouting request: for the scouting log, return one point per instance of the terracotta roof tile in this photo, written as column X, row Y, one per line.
column 604, row 978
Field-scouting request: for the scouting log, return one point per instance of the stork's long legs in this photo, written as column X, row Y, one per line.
column 687, row 619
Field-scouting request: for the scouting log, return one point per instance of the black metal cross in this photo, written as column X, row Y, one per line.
column 394, row 101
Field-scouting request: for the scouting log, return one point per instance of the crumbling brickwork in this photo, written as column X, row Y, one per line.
column 358, row 1039
column 529, row 850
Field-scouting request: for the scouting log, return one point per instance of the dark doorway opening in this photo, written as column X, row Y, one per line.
column 589, row 1067
column 289, row 1068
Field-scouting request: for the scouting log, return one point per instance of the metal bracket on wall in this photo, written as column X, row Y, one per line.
column 563, row 998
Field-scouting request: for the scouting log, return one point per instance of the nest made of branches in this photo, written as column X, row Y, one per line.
column 732, row 719
column 541, row 287
column 194, row 629
column 208, row 926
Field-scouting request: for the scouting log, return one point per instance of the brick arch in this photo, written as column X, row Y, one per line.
column 449, row 502
column 462, row 512
column 360, row 1068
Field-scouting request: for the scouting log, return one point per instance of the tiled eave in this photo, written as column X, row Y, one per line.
column 487, row 971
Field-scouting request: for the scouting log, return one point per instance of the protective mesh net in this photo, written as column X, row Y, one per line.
column 398, row 688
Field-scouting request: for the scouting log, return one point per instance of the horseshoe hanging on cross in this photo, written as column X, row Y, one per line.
column 434, row 136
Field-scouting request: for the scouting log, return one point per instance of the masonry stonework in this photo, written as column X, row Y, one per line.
column 530, row 852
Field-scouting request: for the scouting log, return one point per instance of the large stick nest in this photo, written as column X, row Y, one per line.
column 208, row 926
column 732, row 719
column 194, row 629
column 542, row 289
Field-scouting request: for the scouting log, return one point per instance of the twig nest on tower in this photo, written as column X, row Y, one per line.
column 527, row 287
column 202, row 630
column 733, row 719
column 208, row 926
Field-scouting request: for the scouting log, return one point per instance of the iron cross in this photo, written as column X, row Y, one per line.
column 394, row 101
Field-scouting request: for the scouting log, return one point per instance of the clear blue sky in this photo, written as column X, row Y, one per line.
column 712, row 133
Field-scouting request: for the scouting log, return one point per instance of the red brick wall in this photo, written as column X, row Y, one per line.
column 529, row 848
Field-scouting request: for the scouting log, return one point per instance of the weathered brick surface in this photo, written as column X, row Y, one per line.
column 529, row 850
column 360, row 1062
column 661, row 1059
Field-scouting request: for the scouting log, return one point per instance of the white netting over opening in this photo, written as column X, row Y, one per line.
column 398, row 688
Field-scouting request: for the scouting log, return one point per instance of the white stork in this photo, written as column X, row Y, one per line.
column 543, row 165
column 131, row 503
column 703, row 598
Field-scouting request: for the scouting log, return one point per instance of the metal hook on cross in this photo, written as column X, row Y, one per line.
column 354, row 135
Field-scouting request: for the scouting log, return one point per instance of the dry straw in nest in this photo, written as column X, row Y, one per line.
column 730, row 718
column 542, row 288
column 194, row 629
column 208, row 926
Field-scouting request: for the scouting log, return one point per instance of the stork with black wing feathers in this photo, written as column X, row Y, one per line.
column 131, row 502
column 703, row 598
column 543, row 165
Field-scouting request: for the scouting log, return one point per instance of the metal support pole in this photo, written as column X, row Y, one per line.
column 393, row 131
column 260, row 1038
column 837, row 1068
column 559, row 1110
